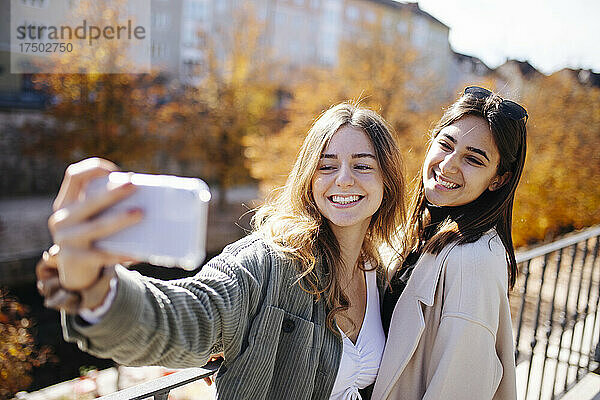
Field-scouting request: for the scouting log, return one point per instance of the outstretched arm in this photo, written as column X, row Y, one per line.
column 172, row 323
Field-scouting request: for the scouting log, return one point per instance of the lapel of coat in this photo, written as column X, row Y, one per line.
column 407, row 323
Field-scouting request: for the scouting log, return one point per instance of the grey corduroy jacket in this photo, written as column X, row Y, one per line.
column 244, row 302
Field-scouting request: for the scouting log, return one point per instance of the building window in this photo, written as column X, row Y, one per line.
column 330, row 30
column 159, row 50
column 189, row 37
column 199, row 10
column 402, row 27
column 329, row 49
column 420, row 33
column 221, row 6
column 370, row 16
column 282, row 18
column 160, row 20
column 35, row 3
column 352, row 13
column 314, row 24
column 315, row 4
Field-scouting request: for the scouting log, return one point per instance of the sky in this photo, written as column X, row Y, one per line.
column 550, row 34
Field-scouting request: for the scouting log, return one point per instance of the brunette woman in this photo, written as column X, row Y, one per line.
column 293, row 307
column 446, row 310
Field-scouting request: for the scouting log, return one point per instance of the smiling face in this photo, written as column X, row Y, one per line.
column 348, row 185
column 461, row 163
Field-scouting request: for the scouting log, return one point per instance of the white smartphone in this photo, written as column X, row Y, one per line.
column 172, row 232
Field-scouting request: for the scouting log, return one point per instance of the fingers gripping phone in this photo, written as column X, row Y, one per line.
column 172, row 232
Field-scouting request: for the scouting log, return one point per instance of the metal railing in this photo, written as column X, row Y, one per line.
column 159, row 389
column 555, row 315
column 555, row 318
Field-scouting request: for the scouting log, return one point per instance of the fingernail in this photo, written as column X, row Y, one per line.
column 53, row 251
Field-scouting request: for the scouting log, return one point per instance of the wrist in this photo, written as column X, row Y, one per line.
column 94, row 295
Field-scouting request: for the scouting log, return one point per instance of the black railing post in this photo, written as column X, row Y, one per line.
column 533, row 342
column 564, row 315
column 523, row 293
column 550, row 323
column 559, row 311
column 162, row 395
column 576, row 315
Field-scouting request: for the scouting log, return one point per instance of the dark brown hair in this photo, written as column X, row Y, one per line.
column 493, row 209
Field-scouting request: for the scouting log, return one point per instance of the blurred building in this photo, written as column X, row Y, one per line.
column 467, row 69
column 16, row 90
column 298, row 33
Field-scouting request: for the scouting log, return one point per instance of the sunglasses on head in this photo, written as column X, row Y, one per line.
column 507, row 107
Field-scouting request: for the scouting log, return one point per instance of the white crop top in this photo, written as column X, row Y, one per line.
column 360, row 362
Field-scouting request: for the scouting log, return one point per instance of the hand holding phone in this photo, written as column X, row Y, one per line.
column 172, row 232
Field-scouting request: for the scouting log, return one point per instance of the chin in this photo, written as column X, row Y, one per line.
column 436, row 199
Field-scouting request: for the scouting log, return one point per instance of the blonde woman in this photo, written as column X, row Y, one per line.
column 293, row 307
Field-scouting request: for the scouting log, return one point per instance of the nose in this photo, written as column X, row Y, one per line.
column 344, row 177
column 449, row 163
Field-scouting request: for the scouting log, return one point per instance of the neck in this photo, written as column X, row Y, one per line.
column 464, row 214
column 350, row 240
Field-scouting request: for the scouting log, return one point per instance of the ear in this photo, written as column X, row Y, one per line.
column 499, row 181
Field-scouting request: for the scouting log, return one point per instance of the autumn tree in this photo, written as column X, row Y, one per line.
column 18, row 352
column 380, row 69
column 558, row 190
column 194, row 126
column 96, row 111
column 235, row 96
column 101, row 115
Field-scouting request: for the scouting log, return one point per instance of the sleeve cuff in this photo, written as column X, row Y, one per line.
column 127, row 306
column 94, row 316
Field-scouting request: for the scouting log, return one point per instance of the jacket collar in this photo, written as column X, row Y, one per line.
column 407, row 323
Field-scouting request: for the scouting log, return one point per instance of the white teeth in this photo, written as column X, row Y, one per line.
column 448, row 185
column 444, row 183
column 344, row 200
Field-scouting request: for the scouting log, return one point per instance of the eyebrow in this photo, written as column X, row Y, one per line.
column 355, row 155
column 470, row 148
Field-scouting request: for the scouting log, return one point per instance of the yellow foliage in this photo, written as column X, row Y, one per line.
column 239, row 121
column 558, row 190
column 235, row 97
column 380, row 70
column 18, row 354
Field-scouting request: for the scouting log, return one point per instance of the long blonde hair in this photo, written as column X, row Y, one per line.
column 292, row 224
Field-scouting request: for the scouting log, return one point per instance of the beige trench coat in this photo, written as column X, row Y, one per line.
column 450, row 334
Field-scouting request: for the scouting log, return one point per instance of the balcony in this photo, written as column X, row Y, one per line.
column 555, row 320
